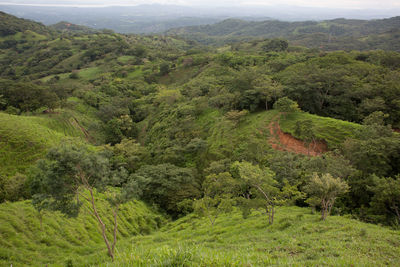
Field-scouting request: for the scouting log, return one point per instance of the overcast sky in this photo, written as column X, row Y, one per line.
column 347, row 4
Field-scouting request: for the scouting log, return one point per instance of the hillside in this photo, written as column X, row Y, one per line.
column 298, row 238
column 291, row 153
column 10, row 25
column 67, row 27
column 29, row 238
column 337, row 34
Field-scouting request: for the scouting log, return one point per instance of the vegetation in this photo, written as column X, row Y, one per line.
column 92, row 123
column 336, row 34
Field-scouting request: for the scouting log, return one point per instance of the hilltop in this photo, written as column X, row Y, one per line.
column 337, row 34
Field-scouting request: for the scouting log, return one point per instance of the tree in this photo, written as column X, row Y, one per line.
column 165, row 185
column 386, row 199
column 275, row 45
column 325, row 189
column 268, row 89
column 375, row 148
column 218, row 196
column 71, row 174
column 286, row 105
column 258, row 184
column 305, row 131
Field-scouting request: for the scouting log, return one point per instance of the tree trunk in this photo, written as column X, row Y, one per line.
column 115, row 213
column 324, row 209
column 396, row 209
column 102, row 226
column 271, row 215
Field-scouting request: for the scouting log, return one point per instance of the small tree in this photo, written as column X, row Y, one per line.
column 286, row 105
column 261, row 184
column 305, row 130
column 326, row 189
column 71, row 174
column 218, row 196
column 386, row 200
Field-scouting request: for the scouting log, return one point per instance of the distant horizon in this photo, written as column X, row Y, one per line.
column 312, row 4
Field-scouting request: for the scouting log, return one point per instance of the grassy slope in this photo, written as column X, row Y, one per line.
column 24, row 242
column 297, row 238
column 252, row 133
column 24, row 139
column 333, row 131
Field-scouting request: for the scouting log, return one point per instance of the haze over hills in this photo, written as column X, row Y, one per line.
column 154, row 18
column 348, row 34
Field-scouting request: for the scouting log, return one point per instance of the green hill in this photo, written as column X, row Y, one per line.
column 24, row 139
column 337, row 34
column 252, row 135
column 298, row 238
column 10, row 25
column 59, row 241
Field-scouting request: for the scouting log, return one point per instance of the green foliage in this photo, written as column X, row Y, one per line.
column 324, row 190
column 165, row 185
column 27, row 96
column 286, row 105
column 275, row 45
column 259, row 185
column 32, row 238
column 296, row 238
column 58, row 182
column 386, row 200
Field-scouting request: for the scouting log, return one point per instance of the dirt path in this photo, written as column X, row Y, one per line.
column 286, row 142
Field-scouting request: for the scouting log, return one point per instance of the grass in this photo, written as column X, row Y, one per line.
column 89, row 73
column 125, row 59
column 24, row 139
column 333, row 131
column 297, row 238
column 59, row 240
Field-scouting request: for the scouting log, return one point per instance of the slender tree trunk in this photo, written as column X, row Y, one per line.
column 271, row 215
column 323, row 209
column 396, row 209
column 102, row 225
column 115, row 213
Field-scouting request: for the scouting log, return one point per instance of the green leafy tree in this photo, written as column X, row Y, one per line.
column 386, row 199
column 286, row 105
column 375, row 149
column 305, row 131
column 259, row 185
column 325, row 189
column 71, row 174
column 275, row 45
column 165, row 185
column 218, row 196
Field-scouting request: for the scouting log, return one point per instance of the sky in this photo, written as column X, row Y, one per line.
column 342, row 4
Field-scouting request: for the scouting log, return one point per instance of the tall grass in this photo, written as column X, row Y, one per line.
column 57, row 240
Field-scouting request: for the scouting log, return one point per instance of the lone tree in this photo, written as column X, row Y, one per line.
column 263, row 188
column 325, row 189
column 218, row 196
column 386, row 200
column 71, row 174
column 286, row 105
column 305, row 130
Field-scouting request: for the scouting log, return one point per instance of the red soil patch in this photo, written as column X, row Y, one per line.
column 286, row 142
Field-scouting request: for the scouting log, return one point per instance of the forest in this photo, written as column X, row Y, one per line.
column 168, row 150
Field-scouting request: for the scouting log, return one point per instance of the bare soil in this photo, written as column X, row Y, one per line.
column 286, row 142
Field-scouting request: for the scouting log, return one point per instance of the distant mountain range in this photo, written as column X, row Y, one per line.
column 157, row 18
column 337, row 34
